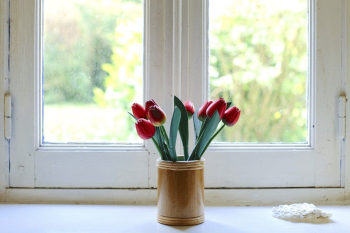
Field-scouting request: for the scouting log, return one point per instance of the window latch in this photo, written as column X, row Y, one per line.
column 7, row 116
column 342, row 117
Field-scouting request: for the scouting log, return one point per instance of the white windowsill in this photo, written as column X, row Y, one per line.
column 16, row 218
column 226, row 197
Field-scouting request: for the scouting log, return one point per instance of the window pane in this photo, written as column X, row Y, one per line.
column 92, row 65
column 259, row 61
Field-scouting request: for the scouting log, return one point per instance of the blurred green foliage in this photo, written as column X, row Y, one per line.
column 123, row 84
column 78, row 37
column 258, row 60
column 92, row 55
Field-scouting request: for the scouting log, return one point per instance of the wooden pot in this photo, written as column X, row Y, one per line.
column 180, row 192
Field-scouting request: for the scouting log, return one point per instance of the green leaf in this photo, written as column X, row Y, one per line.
column 197, row 126
column 174, row 126
column 133, row 116
column 204, row 125
column 183, row 128
column 163, row 141
column 166, row 151
column 158, row 137
column 180, row 158
column 165, row 135
column 208, row 131
column 211, row 139
column 159, row 150
column 228, row 104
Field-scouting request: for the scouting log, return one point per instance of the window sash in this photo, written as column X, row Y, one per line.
column 175, row 37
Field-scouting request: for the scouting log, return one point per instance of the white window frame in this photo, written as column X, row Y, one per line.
column 271, row 165
column 35, row 165
column 175, row 36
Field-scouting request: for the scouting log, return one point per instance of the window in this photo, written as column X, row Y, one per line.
column 176, row 60
column 92, row 70
column 258, row 59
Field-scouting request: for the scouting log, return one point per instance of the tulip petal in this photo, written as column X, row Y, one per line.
column 231, row 116
column 144, row 129
column 156, row 115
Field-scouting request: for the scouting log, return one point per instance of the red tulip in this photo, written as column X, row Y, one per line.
column 231, row 116
column 138, row 111
column 148, row 104
column 202, row 113
column 189, row 108
column 156, row 115
column 219, row 105
column 145, row 129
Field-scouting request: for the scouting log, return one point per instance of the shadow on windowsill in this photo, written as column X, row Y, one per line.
column 309, row 220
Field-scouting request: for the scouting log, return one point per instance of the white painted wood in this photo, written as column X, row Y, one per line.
column 91, row 169
column 80, row 196
column 328, row 68
column 346, row 72
column 22, row 89
column 245, row 169
column 3, row 87
column 342, row 117
column 7, row 116
column 261, row 197
column 158, row 68
column 236, row 197
column 195, row 51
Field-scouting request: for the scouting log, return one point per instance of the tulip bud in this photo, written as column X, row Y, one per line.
column 219, row 105
column 148, row 104
column 145, row 129
column 138, row 111
column 231, row 116
column 156, row 115
column 189, row 108
column 202, row 112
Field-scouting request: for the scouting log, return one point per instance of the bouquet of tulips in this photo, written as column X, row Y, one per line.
column 151, row 118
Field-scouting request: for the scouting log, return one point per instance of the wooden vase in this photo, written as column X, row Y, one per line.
column 180, row 192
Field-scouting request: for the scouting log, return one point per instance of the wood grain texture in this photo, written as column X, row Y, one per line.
column 180, row 192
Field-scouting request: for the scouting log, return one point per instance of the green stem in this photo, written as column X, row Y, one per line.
column 185, row 153
column 211, row 139
column 132, row 116
column 204, row 124
column 159, row 138
column 157, row 146
column 193, row 154
column 165, row 135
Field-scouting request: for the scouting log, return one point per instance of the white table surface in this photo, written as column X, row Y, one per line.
column 115, row 218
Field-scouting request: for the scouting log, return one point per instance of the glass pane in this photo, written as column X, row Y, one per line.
column 259, row 61
column 92, row 65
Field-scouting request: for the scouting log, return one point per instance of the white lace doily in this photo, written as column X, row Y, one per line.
column 303, row 210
